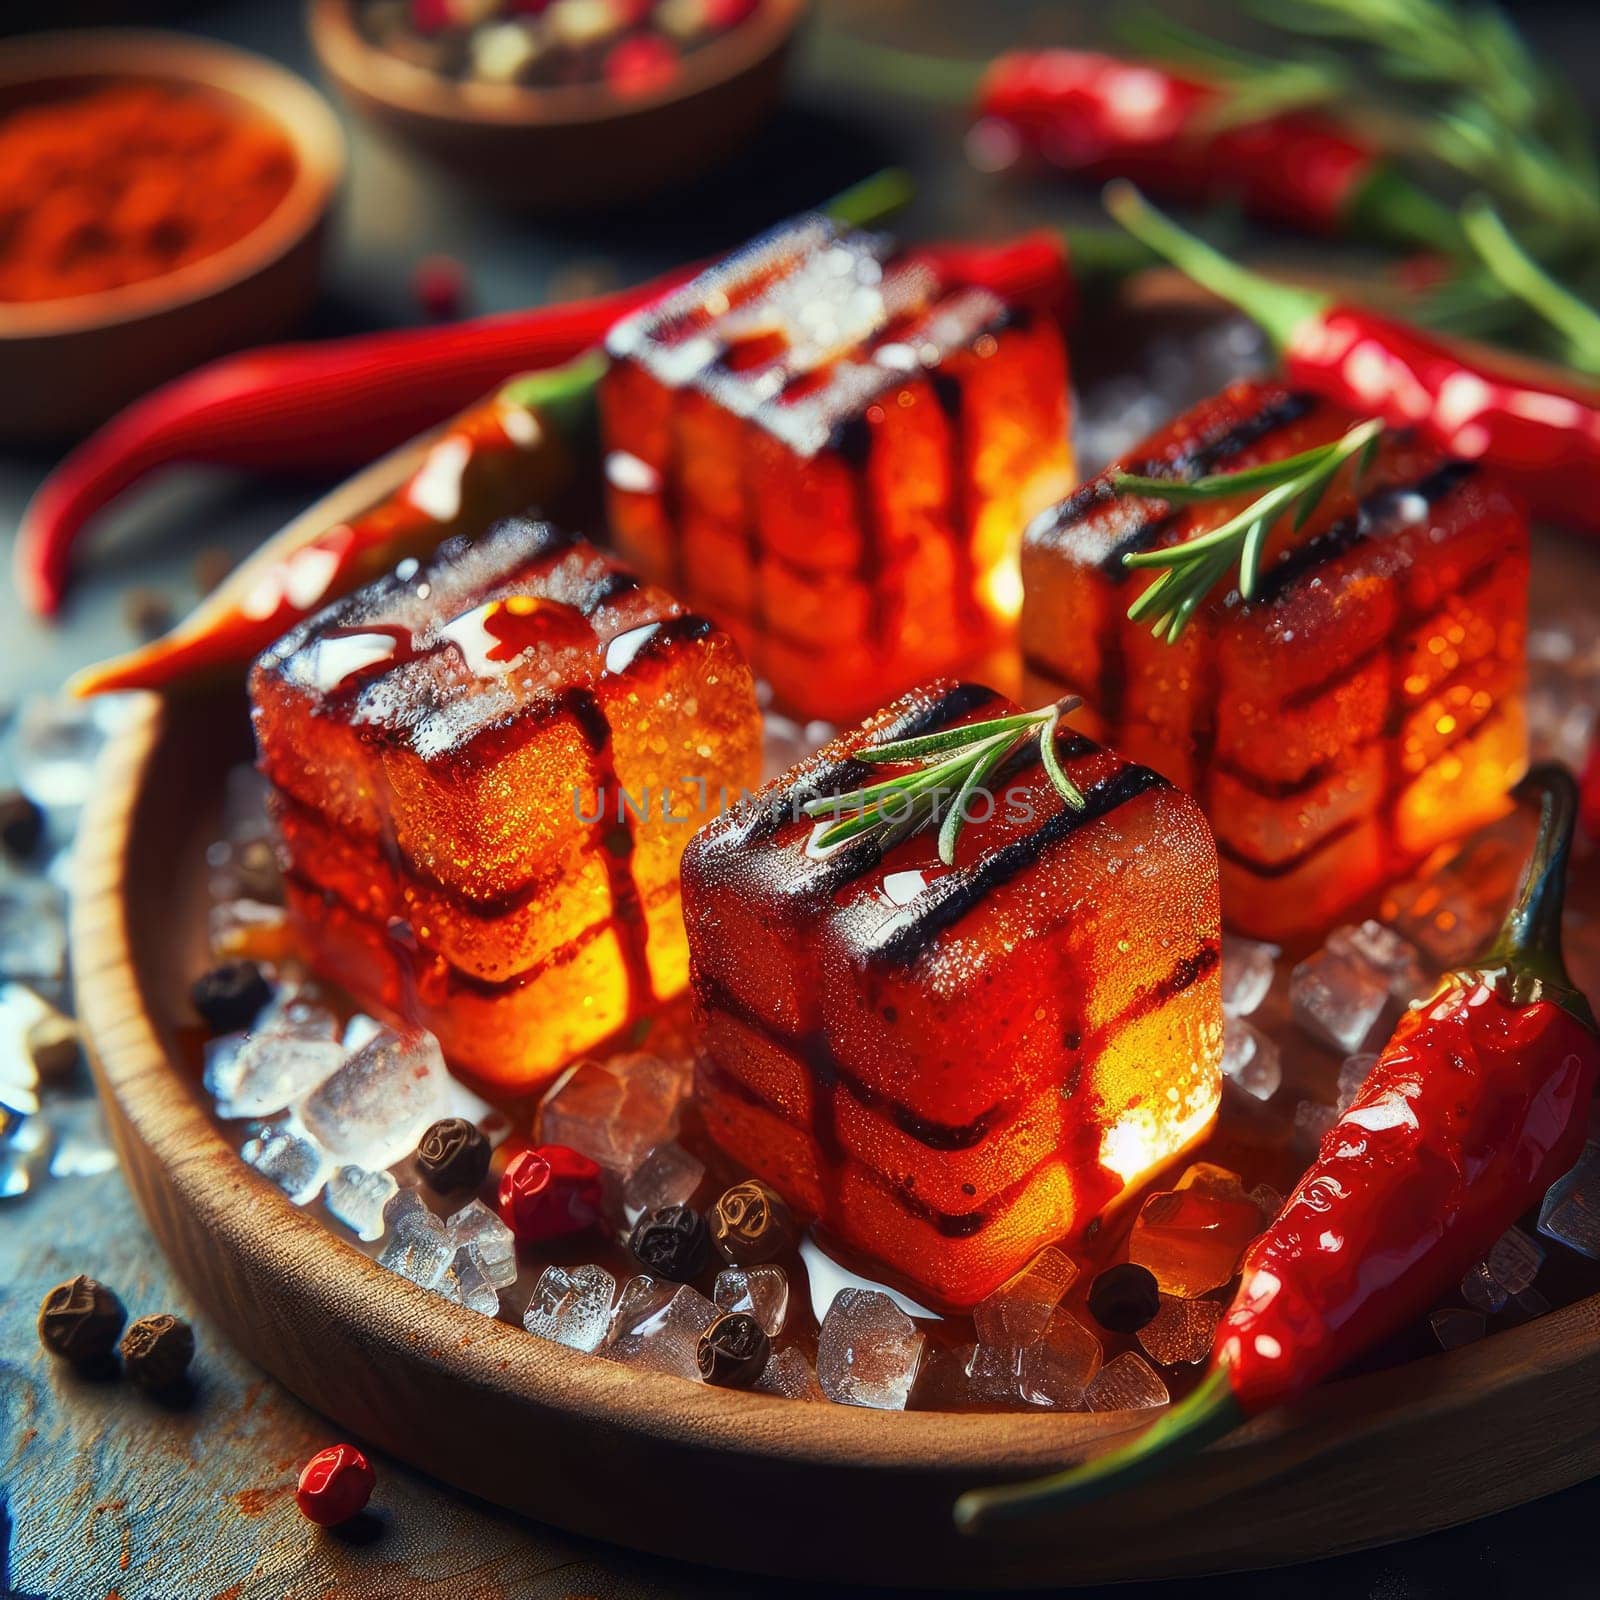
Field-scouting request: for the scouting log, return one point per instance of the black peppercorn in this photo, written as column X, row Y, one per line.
column 80, row 1319
column 453, row 1154
column 733, row 1351
column 751, row 1223
column 21, row 824
column 156, row 1351
column 231, row 996
column 673, row 1242
column 1124, row 1298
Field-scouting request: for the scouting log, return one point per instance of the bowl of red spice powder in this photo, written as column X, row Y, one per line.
column 164, row 200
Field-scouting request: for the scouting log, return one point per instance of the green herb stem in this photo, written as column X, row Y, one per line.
column 1191, row 571
column 951, row 765
column 1280, row 309
column 1519, row 274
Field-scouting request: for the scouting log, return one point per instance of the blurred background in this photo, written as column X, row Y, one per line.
column 423, row 195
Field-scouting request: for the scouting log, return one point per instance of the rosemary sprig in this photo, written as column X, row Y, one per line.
column 1194, row 568
column 949, row 767
column 1575, row 321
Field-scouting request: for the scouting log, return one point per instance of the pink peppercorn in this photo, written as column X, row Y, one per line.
column 642, row 64
column 550, row 1191
column 334, row 1485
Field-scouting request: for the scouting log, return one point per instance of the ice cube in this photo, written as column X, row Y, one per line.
column 1182, row 1332
column 1209, row 1178
column 1514, row 1261
column 1353, row 1072
column 868, row 1351
column 33, row 931
column 1250, row 1058
column 1481, row 1292
column 789, row 1374
column 465, row 1283
column 1268, row 1200
column 994, row 1372
column 1018, row 1312
column 1248, row 966
column 1191, row 1240
column 477, row 1228
column 668, row 1176
column 25, row 1150
column 762, row 1291
column 1385, row 952
column 292, row 1159
column 1453, row 1326
column 381, row 1100
column 55, row 745
column 615, row 1112
column 1529, row 1303
column 642, row 1297
column 1571, row 1211
column 1450, row 911
column 1129, row 1383
column 1337, row 999
column 360, row 1030
column 666, row 1340
column 1311, row 1121
column 1058, row 1367
column 357, row 1197
column 260, row 1073
column 418, row 1246
column 571, row 1307
column 249, row 930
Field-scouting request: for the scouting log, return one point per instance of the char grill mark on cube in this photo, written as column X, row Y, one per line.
column 896, row 1156
column 744, row 470
column 1330, row 764
column 453, row 695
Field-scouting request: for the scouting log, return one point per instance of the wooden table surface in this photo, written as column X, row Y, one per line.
column 106, row 1493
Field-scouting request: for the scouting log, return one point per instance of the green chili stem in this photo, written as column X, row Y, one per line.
column 873, row 199
column 1280, row 309
column 1207, row 1414
column 1529, row 942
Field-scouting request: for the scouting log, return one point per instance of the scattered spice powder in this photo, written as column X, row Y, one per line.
column 126, row 183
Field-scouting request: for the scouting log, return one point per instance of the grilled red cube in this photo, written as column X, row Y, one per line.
column 1365, row 706
column 826, row 449
column 948, row 1067
column 484, row 772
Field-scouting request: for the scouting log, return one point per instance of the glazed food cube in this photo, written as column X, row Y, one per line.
column 484, row 772
column 950, row 1067
column 1363, row 707
column 831, row 452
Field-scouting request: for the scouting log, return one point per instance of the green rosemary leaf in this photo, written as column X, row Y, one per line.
column 947, row 739
column 955, row 764
column 1192, row 570
column 1051, row 757
column 955, row 815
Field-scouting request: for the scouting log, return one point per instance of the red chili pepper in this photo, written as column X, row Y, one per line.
column 1542, row 437
column 334, row 1485
column 504, row 454
column 1477, row 1105
column 304, row 407
column 549, row 1192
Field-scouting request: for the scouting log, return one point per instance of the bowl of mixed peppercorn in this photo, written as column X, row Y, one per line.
column 561, row 103
column 164, row 201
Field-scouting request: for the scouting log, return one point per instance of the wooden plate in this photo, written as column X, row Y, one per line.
column 707, row 1475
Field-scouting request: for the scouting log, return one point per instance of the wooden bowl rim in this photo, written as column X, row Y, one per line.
column 272, row 91
column 402, row 85
column 165, row 1112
